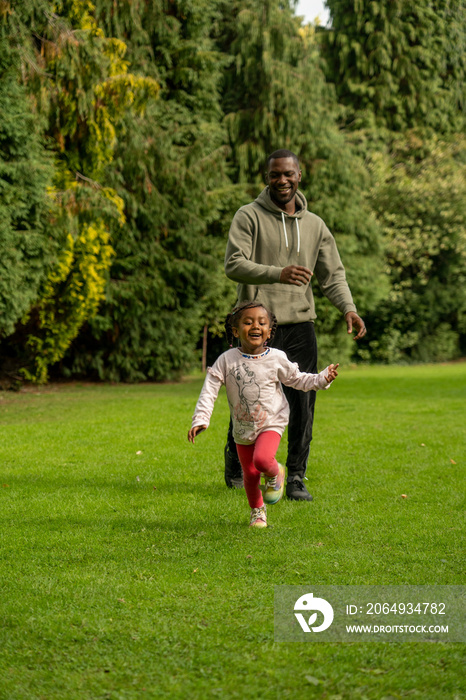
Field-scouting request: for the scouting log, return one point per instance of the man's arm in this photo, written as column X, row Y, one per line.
column 240, row 268
column 295, row 274
column 352, row 319
column 331, row 275
column 332, row 280
column 238, row 264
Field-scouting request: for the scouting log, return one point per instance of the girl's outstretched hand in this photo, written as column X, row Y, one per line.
column 332, row 372
column 194, row 431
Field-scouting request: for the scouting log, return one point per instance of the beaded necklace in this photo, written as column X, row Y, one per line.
column 254, row 357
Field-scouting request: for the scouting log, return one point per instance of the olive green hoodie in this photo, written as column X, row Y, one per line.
column 263, row 240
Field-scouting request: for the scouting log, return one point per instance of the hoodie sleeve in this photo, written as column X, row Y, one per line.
column 238, row 264
column 330, row 274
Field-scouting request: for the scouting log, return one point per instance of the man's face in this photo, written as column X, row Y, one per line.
column 283, row 177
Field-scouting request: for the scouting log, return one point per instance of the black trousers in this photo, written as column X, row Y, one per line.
column 298, row 340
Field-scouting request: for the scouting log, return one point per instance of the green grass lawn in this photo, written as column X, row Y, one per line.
column 128, row 569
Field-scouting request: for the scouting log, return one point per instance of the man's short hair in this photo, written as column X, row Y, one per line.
column 283, row 153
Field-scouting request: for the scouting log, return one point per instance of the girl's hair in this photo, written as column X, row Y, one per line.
column 234, row 316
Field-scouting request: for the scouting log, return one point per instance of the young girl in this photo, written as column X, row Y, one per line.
column 253, row 375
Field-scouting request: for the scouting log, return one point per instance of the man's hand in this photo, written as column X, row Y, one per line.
column 295, row 274
column 194, row 431
column 352, row 319
column 332, row 373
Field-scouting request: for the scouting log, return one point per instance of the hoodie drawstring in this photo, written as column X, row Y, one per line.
column 284, row 231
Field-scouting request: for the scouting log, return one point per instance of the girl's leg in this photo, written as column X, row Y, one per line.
column 256, row 459
column 250, row 475
column 265, row 449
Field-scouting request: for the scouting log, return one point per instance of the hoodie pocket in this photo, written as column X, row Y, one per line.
column 285, row 297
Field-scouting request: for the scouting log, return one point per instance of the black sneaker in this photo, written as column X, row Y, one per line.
column 233, row 471
column 296, row 490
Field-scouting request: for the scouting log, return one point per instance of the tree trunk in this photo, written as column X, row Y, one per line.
column 204, row 350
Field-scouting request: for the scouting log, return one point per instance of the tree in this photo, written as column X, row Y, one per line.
column 26, row 173
column 82, row 89
column 168, row 171
column 420, row 198
column 399, row 69
column 402, row 61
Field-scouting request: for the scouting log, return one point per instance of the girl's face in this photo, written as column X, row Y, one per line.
column 253, row 330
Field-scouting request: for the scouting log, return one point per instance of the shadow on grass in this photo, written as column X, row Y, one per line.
column 134, row 523
column 89, row 485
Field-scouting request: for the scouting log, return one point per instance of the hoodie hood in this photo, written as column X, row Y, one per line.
column 265, row 201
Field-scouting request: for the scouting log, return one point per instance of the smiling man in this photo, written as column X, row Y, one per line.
column 275, row 245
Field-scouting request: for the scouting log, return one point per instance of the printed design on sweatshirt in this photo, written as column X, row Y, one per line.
column 247, row 410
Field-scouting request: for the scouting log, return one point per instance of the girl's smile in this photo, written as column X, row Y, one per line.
column 253, row 330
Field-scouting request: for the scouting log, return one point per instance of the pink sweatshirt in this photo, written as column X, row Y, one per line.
column 255, row 395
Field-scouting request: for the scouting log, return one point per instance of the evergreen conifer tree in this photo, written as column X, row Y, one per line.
column 168, row 171
column 82, row 89
column 403, row 61
column 25, row 173
column 399, row 68
column 27, row 244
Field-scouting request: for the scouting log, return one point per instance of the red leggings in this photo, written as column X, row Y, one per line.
column 257, row 459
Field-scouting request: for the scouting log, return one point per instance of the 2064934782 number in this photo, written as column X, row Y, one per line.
column 405, row 608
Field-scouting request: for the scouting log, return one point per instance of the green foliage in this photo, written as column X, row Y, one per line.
column 420, row 200
column 89, row 90
column 403, row 60
column 169, row 173
column 83, row 91
column 399, row 69
column 131, row 132
column 69, row 297
column 261, row 95
column 26, row 172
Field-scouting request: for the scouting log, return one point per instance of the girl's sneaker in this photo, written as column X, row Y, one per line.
column 258, row 517
column 273, row 489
